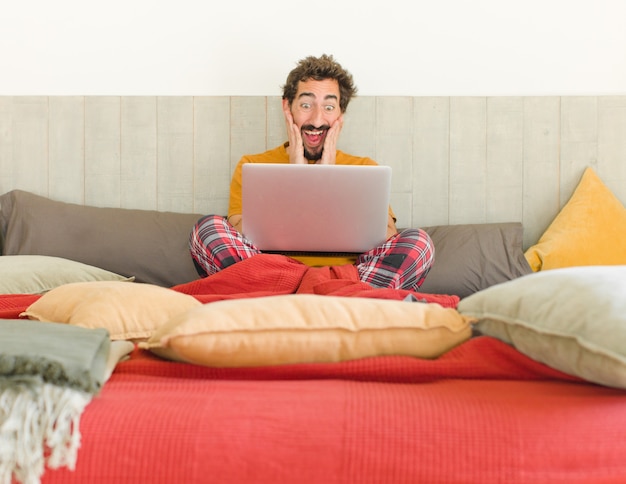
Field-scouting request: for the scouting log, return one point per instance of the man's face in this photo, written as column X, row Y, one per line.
column 314, row 109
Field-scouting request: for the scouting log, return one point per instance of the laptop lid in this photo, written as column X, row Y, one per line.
column 315, row 208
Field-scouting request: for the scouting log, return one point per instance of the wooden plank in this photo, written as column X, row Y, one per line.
column 102, row 151
column 505, row 142
column 468, row 160
column 211, row 185
column 394, row 121
column 612, row 144
column 541, row 131
column 175, row 153
column 276, row 130
column 67, row 148
column 359, row 132
column 138, row 152
column 579, row 141
column 431, row 161
column 30, row 144
column 7, row 167
column 248, row 134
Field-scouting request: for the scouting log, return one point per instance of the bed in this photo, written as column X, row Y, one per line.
column 508, row 365
column 270, row 371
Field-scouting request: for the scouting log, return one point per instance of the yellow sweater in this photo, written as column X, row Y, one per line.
column 280, row 155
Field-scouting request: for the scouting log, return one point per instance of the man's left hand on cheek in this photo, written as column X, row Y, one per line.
column 329, row 154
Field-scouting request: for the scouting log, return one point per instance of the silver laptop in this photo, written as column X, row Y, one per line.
column 315, row 208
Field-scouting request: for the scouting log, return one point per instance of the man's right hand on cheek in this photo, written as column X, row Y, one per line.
column 329, row 155
column 295, row 149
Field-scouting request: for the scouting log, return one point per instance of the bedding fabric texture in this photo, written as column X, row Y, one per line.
column 48, row 375
column 502, row 415
column 12, row 305
column 482, row 412
column 572, row 319
column 589, row 230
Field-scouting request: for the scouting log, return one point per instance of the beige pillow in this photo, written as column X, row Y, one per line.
column 304, row 328
column 572, row 319
column 126, row 310
column 35, row 274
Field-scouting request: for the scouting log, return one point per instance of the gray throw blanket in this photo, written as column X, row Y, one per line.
column 48, row 374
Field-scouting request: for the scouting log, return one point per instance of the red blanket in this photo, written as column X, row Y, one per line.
column 11, row 305
column 273, row 274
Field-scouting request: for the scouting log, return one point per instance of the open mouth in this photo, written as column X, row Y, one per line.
column 314, row 136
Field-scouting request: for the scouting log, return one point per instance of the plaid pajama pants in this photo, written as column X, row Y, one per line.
column 401, row 262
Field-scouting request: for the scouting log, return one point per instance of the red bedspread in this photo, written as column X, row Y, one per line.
column 480, row 413
column 11, row 305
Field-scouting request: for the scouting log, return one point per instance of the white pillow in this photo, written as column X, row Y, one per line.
column 571, row 319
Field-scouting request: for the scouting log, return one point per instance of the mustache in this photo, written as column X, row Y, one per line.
column 310, row 127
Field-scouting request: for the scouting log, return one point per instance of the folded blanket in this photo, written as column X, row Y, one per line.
column 49, row 372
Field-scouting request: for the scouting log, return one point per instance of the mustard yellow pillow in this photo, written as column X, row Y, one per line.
column 128, row 310
column 305, row 328
column 589, row 230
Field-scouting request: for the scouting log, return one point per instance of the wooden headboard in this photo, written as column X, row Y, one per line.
column 454, row 159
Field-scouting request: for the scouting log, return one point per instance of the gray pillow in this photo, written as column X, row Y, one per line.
column 152, row 246
column 472, row 257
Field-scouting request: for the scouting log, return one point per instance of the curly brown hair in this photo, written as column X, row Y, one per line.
column 320, row 68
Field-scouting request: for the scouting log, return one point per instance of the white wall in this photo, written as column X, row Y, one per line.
column 246, row 47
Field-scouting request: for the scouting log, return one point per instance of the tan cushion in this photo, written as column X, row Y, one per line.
column 303, row 328
column 128, row 310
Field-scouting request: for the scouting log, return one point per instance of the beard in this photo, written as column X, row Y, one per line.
column 313, row 156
